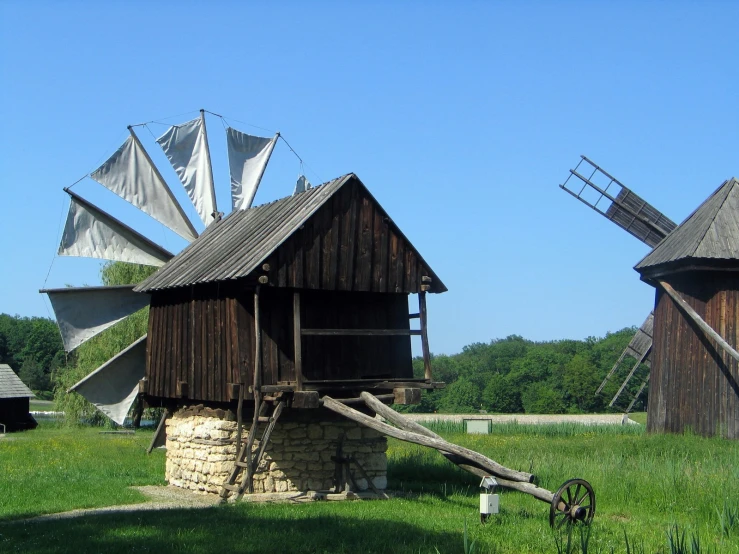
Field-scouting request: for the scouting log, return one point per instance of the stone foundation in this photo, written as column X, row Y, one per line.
column 201, row 451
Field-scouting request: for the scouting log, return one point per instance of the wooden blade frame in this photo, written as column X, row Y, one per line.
column 617, row 203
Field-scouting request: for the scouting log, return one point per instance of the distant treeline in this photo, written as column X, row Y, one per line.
column 515, row 375
column 33, row 348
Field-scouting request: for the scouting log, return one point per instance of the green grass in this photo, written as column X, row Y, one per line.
column 645, row 485
column 639, row 417
column 54, row 468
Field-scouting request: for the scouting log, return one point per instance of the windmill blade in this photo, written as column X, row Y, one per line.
column 92, row 233
column 247, row 159
column 113, row 386
column 81, row 313
column 186, row 147
column 644, row 359
column 638, row 348
column 131, row 174
column 638, row 393
column 618, row 203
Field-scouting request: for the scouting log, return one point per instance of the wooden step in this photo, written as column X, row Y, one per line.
column 232, row 488
column 242, row 464
column 264, row 419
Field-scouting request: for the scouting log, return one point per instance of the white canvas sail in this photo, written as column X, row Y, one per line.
column 82, row 313
column 113, row 386
column 186, row 147
column 302, row 185
column 91, row 233
column 247, row 158
column 131, row 174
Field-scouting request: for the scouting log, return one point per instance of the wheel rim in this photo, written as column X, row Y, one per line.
column 573, row 503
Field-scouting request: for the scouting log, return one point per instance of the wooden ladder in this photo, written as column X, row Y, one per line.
column 245, row 459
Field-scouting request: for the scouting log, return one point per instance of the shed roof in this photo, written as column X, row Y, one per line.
column 711, row 232
column 10, row 384
column 237, row 245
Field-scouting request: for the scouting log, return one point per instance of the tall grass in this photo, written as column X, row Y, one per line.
column 646, row 485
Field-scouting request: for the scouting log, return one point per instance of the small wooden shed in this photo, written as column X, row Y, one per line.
column 695, row 365
column 14, row 402
column 311, row 292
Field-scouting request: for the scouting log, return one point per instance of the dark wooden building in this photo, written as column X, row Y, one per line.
column 14, row 402
column 311, row 292
column 695, row 364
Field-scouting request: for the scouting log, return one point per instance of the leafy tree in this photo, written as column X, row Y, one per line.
column 462, row 396
column 541, row 398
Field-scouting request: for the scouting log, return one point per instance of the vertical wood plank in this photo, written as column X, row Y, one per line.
column 363, row 264
column 379, row 255
column 297, row 338
column 424, row 336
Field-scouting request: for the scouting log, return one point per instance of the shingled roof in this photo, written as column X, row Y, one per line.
column 237, row 245
column 711, row 232
column 10, row 384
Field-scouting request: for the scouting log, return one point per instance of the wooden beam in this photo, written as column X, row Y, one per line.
column 424, row 336
column 413, row 427
column 298, row 333
column 705, row 327
column 359, row 332
column 416, row 438
column 160, row 436
column 406, row 395
column 249, row 477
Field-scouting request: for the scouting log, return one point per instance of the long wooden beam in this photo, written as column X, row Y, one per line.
column 705, row 327
column 475, row 457
column 409, row 425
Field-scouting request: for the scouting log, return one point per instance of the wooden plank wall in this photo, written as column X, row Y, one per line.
column 693, row 383
column 348, row 245
column 205, row 337
column 343, row 357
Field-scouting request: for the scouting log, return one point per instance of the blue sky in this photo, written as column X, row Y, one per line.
column 461, row 118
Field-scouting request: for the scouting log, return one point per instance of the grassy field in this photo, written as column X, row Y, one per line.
column 645, row 485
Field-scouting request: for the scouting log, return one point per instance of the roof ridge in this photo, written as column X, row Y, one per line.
column 718, row 209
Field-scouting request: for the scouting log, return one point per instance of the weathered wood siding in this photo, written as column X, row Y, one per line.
column 348, row 245
column 358, row 357
column 693, row 383
column 204, row 336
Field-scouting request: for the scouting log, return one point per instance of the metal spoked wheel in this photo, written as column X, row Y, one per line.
column 574, row 502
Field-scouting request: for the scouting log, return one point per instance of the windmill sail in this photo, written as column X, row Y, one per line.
column 113, row 386
column 247, row 159
column 92, row 233
column 186, row 147
column 82, row 313
column 131, row 174
column 639, row 348
column 609, row 197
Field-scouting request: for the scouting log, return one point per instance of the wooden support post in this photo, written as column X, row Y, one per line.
column 298, row 341
column 160, row 436
column 424, row 335
column 240, row 418
column 692, row 314
column 257, row 381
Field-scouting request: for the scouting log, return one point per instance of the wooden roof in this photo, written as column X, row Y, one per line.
column 710, row 234
column 10, row 384
column 336, row 232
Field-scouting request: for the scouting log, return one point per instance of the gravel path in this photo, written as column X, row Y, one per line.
column 160, row 498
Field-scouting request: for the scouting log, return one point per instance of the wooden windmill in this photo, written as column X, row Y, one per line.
column 605, row 194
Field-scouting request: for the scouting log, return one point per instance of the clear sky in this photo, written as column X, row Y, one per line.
column 461, row 118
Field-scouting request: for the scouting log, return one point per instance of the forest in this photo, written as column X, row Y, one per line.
column 508, row 375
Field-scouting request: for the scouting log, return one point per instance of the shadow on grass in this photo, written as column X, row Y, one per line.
column 363, row 527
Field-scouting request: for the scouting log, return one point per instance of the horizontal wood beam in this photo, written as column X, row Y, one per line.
column 359, row 332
